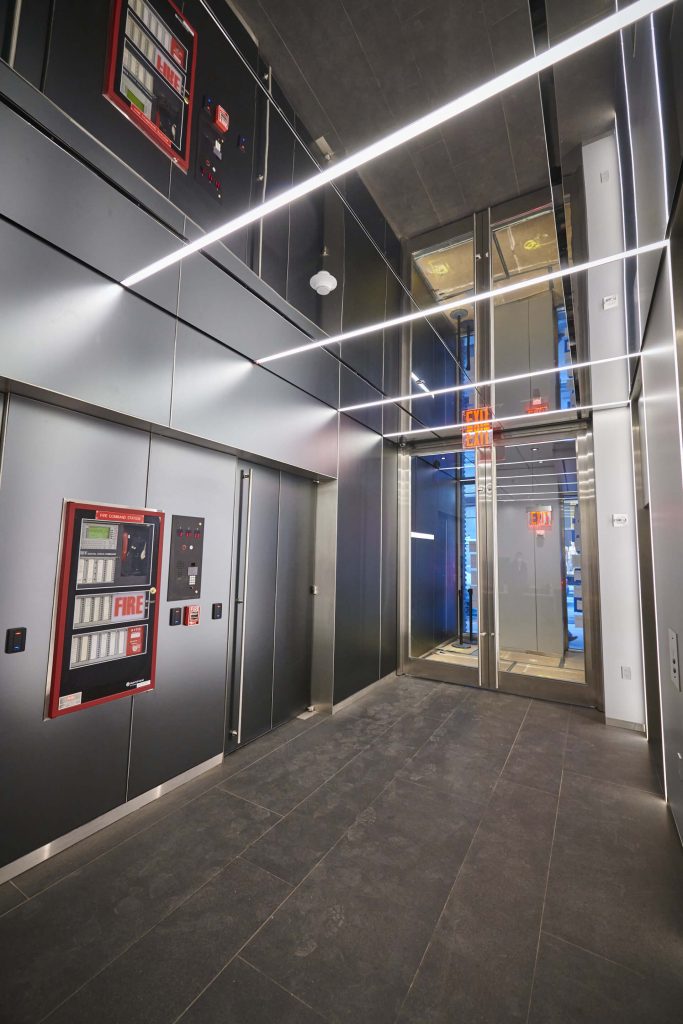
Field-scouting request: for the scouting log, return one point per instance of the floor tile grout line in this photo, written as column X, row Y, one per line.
column 223, row 868
column 152, row 824
column 592, row 952
column 462, row 862
column 313, row 867
column 547, row 878
column 280, row 986
column 619, row 785
column 18, row 888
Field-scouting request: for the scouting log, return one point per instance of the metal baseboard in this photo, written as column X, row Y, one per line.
column 29, row 860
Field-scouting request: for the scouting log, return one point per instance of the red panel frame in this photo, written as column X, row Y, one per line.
column 130, row 111
column 70, row 509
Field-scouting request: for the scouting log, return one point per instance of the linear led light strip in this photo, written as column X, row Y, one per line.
column 506, row 419
column 580, row 41
column 568, row 367
column 471, row 300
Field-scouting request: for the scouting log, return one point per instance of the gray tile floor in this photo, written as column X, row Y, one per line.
column 430, row 854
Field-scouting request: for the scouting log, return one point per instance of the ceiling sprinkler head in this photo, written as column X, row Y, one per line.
column 323, row 282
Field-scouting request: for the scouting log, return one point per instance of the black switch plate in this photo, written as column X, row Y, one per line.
column 216, row 611
column 15, row 640
column 176, row 617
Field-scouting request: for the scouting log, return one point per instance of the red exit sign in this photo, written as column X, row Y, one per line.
column 478, row 428
column 540, row 519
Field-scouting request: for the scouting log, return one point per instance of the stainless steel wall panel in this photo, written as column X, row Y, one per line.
column 389, row 610
column 59, row 773
column 664, row 457
column 357, row 621
column 50, row 192
column 66, row 329
column 354, row 390
column 181, row 725
column 225, row 398
column 225, row 309
column 294, row 606
column 259, row 634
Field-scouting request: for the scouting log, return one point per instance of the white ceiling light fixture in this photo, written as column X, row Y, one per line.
column 323, row 282
column 472, row 300
column 506, row 419
column 490, row 383
column 571, row 46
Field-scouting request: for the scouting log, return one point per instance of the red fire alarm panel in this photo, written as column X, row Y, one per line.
column 191, row 615
column 105, row 624
column 221, row 118
column 151, row 71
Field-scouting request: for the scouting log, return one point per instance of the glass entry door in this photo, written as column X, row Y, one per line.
column 444, row 573
column 501, row 567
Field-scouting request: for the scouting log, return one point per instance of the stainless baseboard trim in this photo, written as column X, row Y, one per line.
column 361, row 693
column 29, row 860
column 618, row 723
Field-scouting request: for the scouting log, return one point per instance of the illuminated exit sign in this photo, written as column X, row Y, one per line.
column 540, row 519
column 478, row 429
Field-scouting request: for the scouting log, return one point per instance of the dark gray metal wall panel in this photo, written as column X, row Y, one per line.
column 364, row 300
column 58, row 774
column 357, row 620
column 280, row 174
column 220, row 396
column 50, row 192
column 389, row 558
column 32, row 39
column 181, row 725
column 74, row 81
column 226, row 310
column 294, row 611
column 306, row 239
column 353, row 390
column 259, row 638
column 221, row 75
column 66, row 329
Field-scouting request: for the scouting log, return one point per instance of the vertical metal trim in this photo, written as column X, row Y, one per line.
column 277, row 573
column 590, row 562
column 130, row 747
column 14, row 36
column 246, row 475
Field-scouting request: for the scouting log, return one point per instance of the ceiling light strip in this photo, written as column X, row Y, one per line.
column 506, row 419
column 568, row 367
column 521, row 73
column 472, row 300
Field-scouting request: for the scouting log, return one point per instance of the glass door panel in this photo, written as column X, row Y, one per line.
column 443, row 635
column 539, row 568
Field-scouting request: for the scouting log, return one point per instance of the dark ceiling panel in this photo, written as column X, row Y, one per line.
column 356, row 69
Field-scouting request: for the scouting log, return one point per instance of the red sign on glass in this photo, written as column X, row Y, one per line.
column 540, row 518
column 478, row 428
column 538, row 405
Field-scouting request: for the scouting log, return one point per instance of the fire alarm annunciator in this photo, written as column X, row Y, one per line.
column 105, row 624
column 151, row 71
column 191, row 615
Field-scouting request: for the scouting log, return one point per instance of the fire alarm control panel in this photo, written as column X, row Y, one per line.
column 105, row 624
column 185, row 560
column 151, row 70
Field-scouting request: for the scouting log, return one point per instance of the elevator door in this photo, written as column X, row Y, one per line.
column 271, row 604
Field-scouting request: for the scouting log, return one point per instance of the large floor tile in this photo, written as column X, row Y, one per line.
column 10, row 897
column 616, row 877
column 159, row 976
column 573, row 986
column 349, row 940
column 480, row 961
column 607, row 753
column 55, row 942
column 242, row 995
column 537, row 755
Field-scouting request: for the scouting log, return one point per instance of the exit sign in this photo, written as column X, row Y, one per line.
column 478, row 427
column 540, row 519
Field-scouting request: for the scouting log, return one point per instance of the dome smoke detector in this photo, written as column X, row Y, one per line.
column 323, row 282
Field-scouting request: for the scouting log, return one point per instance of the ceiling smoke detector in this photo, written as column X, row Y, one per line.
column 323, row 282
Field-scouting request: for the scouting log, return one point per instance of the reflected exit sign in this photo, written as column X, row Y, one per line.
column 540, row 518
column 478, row 427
